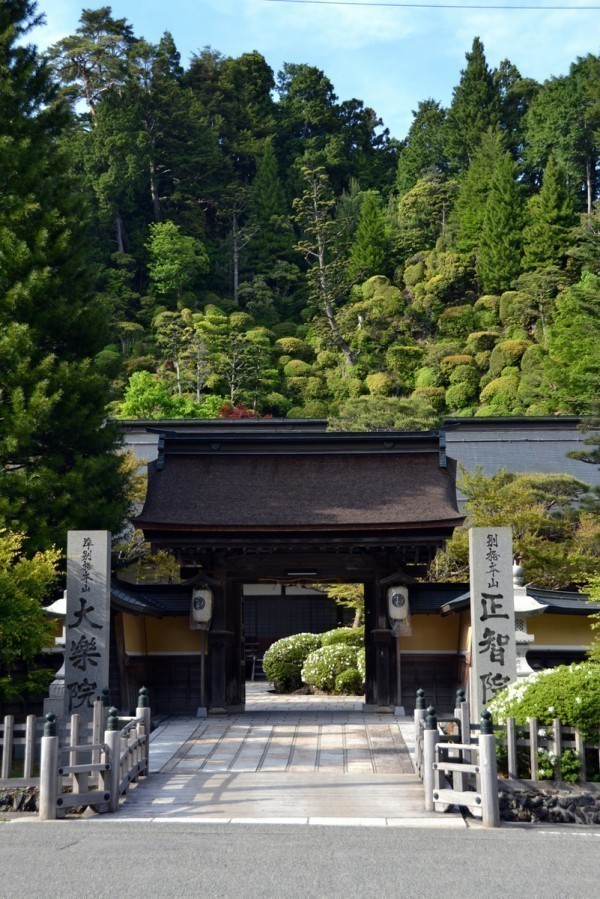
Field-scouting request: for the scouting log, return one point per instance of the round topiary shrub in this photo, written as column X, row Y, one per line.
column 323, row 666
column 349, row 683
column 283, row 660
column 379, row 384
column 349, row 636
column 568, row 692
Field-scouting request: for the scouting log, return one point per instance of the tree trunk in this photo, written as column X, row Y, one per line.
column 328, row 305
column 235, row 235
column 154, row 192
column 119, row 232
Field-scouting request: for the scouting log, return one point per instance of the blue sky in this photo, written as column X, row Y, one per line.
column 388, row 57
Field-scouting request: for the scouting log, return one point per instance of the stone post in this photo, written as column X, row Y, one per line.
column 49, row 770
column 430, row 739
column 143, row 711
column 112, row 737
column 488, row 772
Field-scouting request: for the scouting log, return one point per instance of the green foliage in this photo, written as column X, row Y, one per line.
column 323, row 666
column 349, row 683
column 25, row 629
column 284, row 659
column 554, row 538
column 348, row 636
column 376, row 413
column 58, row 465
column 570, row 693
column 379, row 384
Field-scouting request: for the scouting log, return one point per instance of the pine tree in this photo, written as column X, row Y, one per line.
column 500, row 248
column 57, row 460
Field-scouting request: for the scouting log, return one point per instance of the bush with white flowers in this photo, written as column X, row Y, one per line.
column 569, row 692
column 283, row 660
column 324, row 665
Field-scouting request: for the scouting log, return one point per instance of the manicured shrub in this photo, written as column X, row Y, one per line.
column 379, row 384
column 349, row 683
column 292, row 346
column 349, row 636
column 283, row 660
column 296, row 367
column 435, row 396
column 323, row 666
column 569, row 692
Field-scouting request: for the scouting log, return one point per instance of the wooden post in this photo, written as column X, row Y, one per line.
column 580, row 750
column 511, row 746
column 7, row 753
column 112, row 737
column 49, row 770
column 490, row 813
column 29, row 762
column 533, row 748
column 430, row 738
column 557, row 739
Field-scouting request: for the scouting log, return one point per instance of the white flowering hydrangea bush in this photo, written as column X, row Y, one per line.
column 324, row 665
column 569, row 692
column 283, row 660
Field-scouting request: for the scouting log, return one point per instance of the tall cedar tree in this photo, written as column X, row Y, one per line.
column 424, row 149
column 475, row 108
column 550, row 218
column 58, row 465
column 500, row 247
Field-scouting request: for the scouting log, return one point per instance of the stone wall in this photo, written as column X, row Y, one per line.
column 526, row 801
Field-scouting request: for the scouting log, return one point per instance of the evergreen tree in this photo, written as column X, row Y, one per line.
column 573, row 364
column 269, row 216
column 369, row 253
column 469, row 210
column 94, row 59
column 500, row 248
column 475, row 108
column 58, row 465
column 563, row 122
column 550, row 217
column 424, row 148
column 320, row 246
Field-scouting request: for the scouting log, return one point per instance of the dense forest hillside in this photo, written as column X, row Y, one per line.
column 262, row 247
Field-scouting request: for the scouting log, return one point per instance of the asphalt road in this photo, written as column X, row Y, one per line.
column 111, row 859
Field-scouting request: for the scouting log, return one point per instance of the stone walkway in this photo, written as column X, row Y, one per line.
column 286, row 759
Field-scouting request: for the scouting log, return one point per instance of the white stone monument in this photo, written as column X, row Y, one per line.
column 87, row 622
column 493, row 643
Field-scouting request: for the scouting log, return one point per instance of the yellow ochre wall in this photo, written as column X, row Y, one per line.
column 560, row 630
column 144, row 634
column 432, row 633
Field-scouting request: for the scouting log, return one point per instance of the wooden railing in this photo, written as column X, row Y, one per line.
column 93, row 773
column 456, row 769
column 19, row 742
column 525, row 744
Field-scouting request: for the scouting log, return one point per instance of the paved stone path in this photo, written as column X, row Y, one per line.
column 292, row 759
